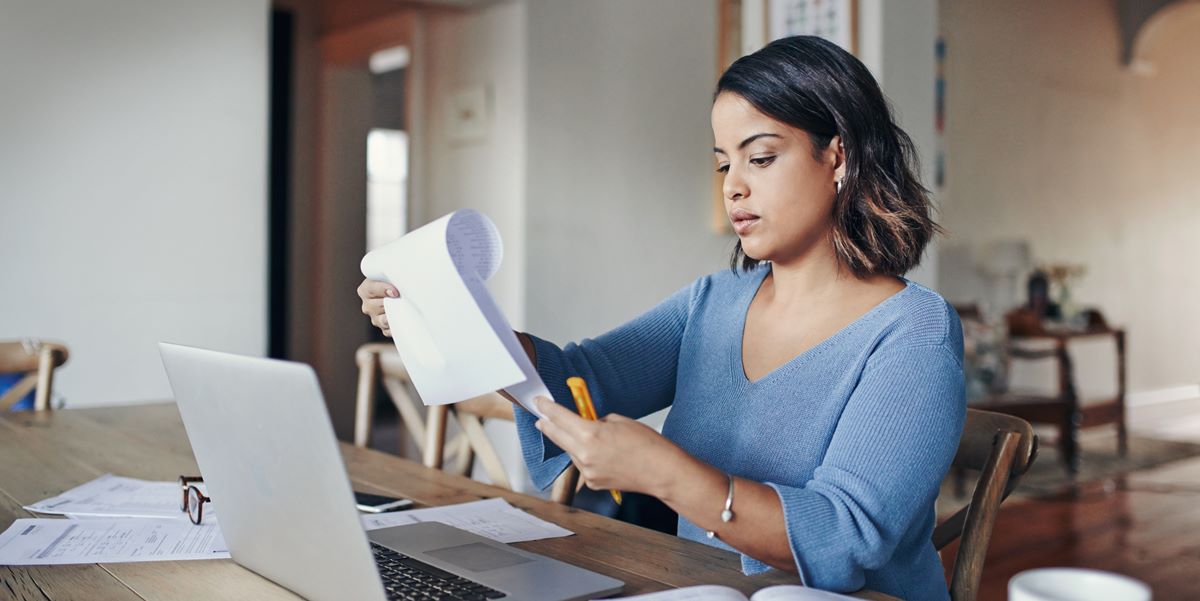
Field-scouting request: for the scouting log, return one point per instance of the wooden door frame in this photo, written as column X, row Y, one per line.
column 341, row 49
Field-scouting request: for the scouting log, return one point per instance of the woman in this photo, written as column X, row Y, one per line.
column 812, row 388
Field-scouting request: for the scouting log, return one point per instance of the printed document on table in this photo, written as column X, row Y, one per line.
column 493, row 518
column 51, row 541
column 117, row 496
column 452, row 337
column 713, row 592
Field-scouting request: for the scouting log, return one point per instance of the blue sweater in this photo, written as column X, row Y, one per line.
column 854, row 434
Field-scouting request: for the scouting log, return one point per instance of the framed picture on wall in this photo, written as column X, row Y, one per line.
column 834, row 20
column 747, row 25
column 744, row 26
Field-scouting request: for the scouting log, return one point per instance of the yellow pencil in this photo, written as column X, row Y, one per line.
column 583, row 404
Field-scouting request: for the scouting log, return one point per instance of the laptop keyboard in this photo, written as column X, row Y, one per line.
column 408, row 579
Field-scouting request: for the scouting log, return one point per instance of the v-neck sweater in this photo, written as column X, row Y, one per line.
column 854, row 434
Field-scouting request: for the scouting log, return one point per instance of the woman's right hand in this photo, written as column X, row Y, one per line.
column 372, row 293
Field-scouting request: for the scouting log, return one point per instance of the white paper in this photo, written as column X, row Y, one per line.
column 117, row 496
column 712, row 592
column 709, row 592
column 792, row 592
column 50, row 541
column 493, row 518
column 452, row 337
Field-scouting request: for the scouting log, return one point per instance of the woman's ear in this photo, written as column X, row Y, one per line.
column 836, row 155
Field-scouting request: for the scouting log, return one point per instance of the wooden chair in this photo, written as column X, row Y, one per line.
column 470, row 415
column 379, row 362
column 1001, row 447
column 36, row 360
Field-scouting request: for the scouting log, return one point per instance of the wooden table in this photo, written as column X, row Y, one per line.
column 1064, row 410
column 43, row 454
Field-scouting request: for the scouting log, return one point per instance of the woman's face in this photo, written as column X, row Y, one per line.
column 778, row 192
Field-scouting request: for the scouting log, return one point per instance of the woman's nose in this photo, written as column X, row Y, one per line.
column 734, row 186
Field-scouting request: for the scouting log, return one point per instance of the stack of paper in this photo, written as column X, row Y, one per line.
column 117, row 496
column 113, row 519
column 31, row 542
column 493, row 518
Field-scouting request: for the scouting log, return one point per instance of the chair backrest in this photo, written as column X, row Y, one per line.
column 379, row 362
column 1001, row 448
column 36, row 361
column 469, row 415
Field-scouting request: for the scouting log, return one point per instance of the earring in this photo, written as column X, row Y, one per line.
column 839, row 186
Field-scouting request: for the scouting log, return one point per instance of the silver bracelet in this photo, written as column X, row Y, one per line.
column 727, row 513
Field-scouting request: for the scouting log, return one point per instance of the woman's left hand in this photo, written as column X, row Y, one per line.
column 613, row 453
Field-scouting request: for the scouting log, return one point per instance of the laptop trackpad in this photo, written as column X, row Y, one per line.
column 478, row 557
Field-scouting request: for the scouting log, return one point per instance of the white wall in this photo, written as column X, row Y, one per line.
column 620, row 159
column 132, row 184
column 896, row 42
column 457, row 51
column 1050, row 139
column 462, row 50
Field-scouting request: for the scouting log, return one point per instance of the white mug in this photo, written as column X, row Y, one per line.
column 1075, row 584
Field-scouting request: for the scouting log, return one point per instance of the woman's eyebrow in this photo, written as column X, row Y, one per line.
column 747, row 141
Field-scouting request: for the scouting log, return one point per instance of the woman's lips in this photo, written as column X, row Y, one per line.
column 743, row 221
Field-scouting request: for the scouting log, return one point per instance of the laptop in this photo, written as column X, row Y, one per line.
column 267, row 451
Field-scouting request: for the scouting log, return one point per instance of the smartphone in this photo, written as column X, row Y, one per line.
column 378, row 503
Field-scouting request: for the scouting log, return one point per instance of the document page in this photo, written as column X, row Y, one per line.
column 454, row 340
column 50, row 541
column 117, row 496
column 712, row 592
column 709, row 592
column 793, row 592
column 493, row 518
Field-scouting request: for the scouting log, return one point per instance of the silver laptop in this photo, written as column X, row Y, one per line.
column 266, row 449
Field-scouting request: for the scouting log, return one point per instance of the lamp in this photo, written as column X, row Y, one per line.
column 1001, row 262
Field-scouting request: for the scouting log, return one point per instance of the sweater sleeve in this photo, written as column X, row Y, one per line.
column 886, row 460
column 630, row 371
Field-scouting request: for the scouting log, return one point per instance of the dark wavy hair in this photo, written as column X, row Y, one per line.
column 881, row 215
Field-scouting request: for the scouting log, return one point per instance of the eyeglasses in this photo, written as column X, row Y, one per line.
column 193, row 500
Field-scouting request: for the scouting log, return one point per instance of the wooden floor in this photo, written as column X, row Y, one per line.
column 1145, row 524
